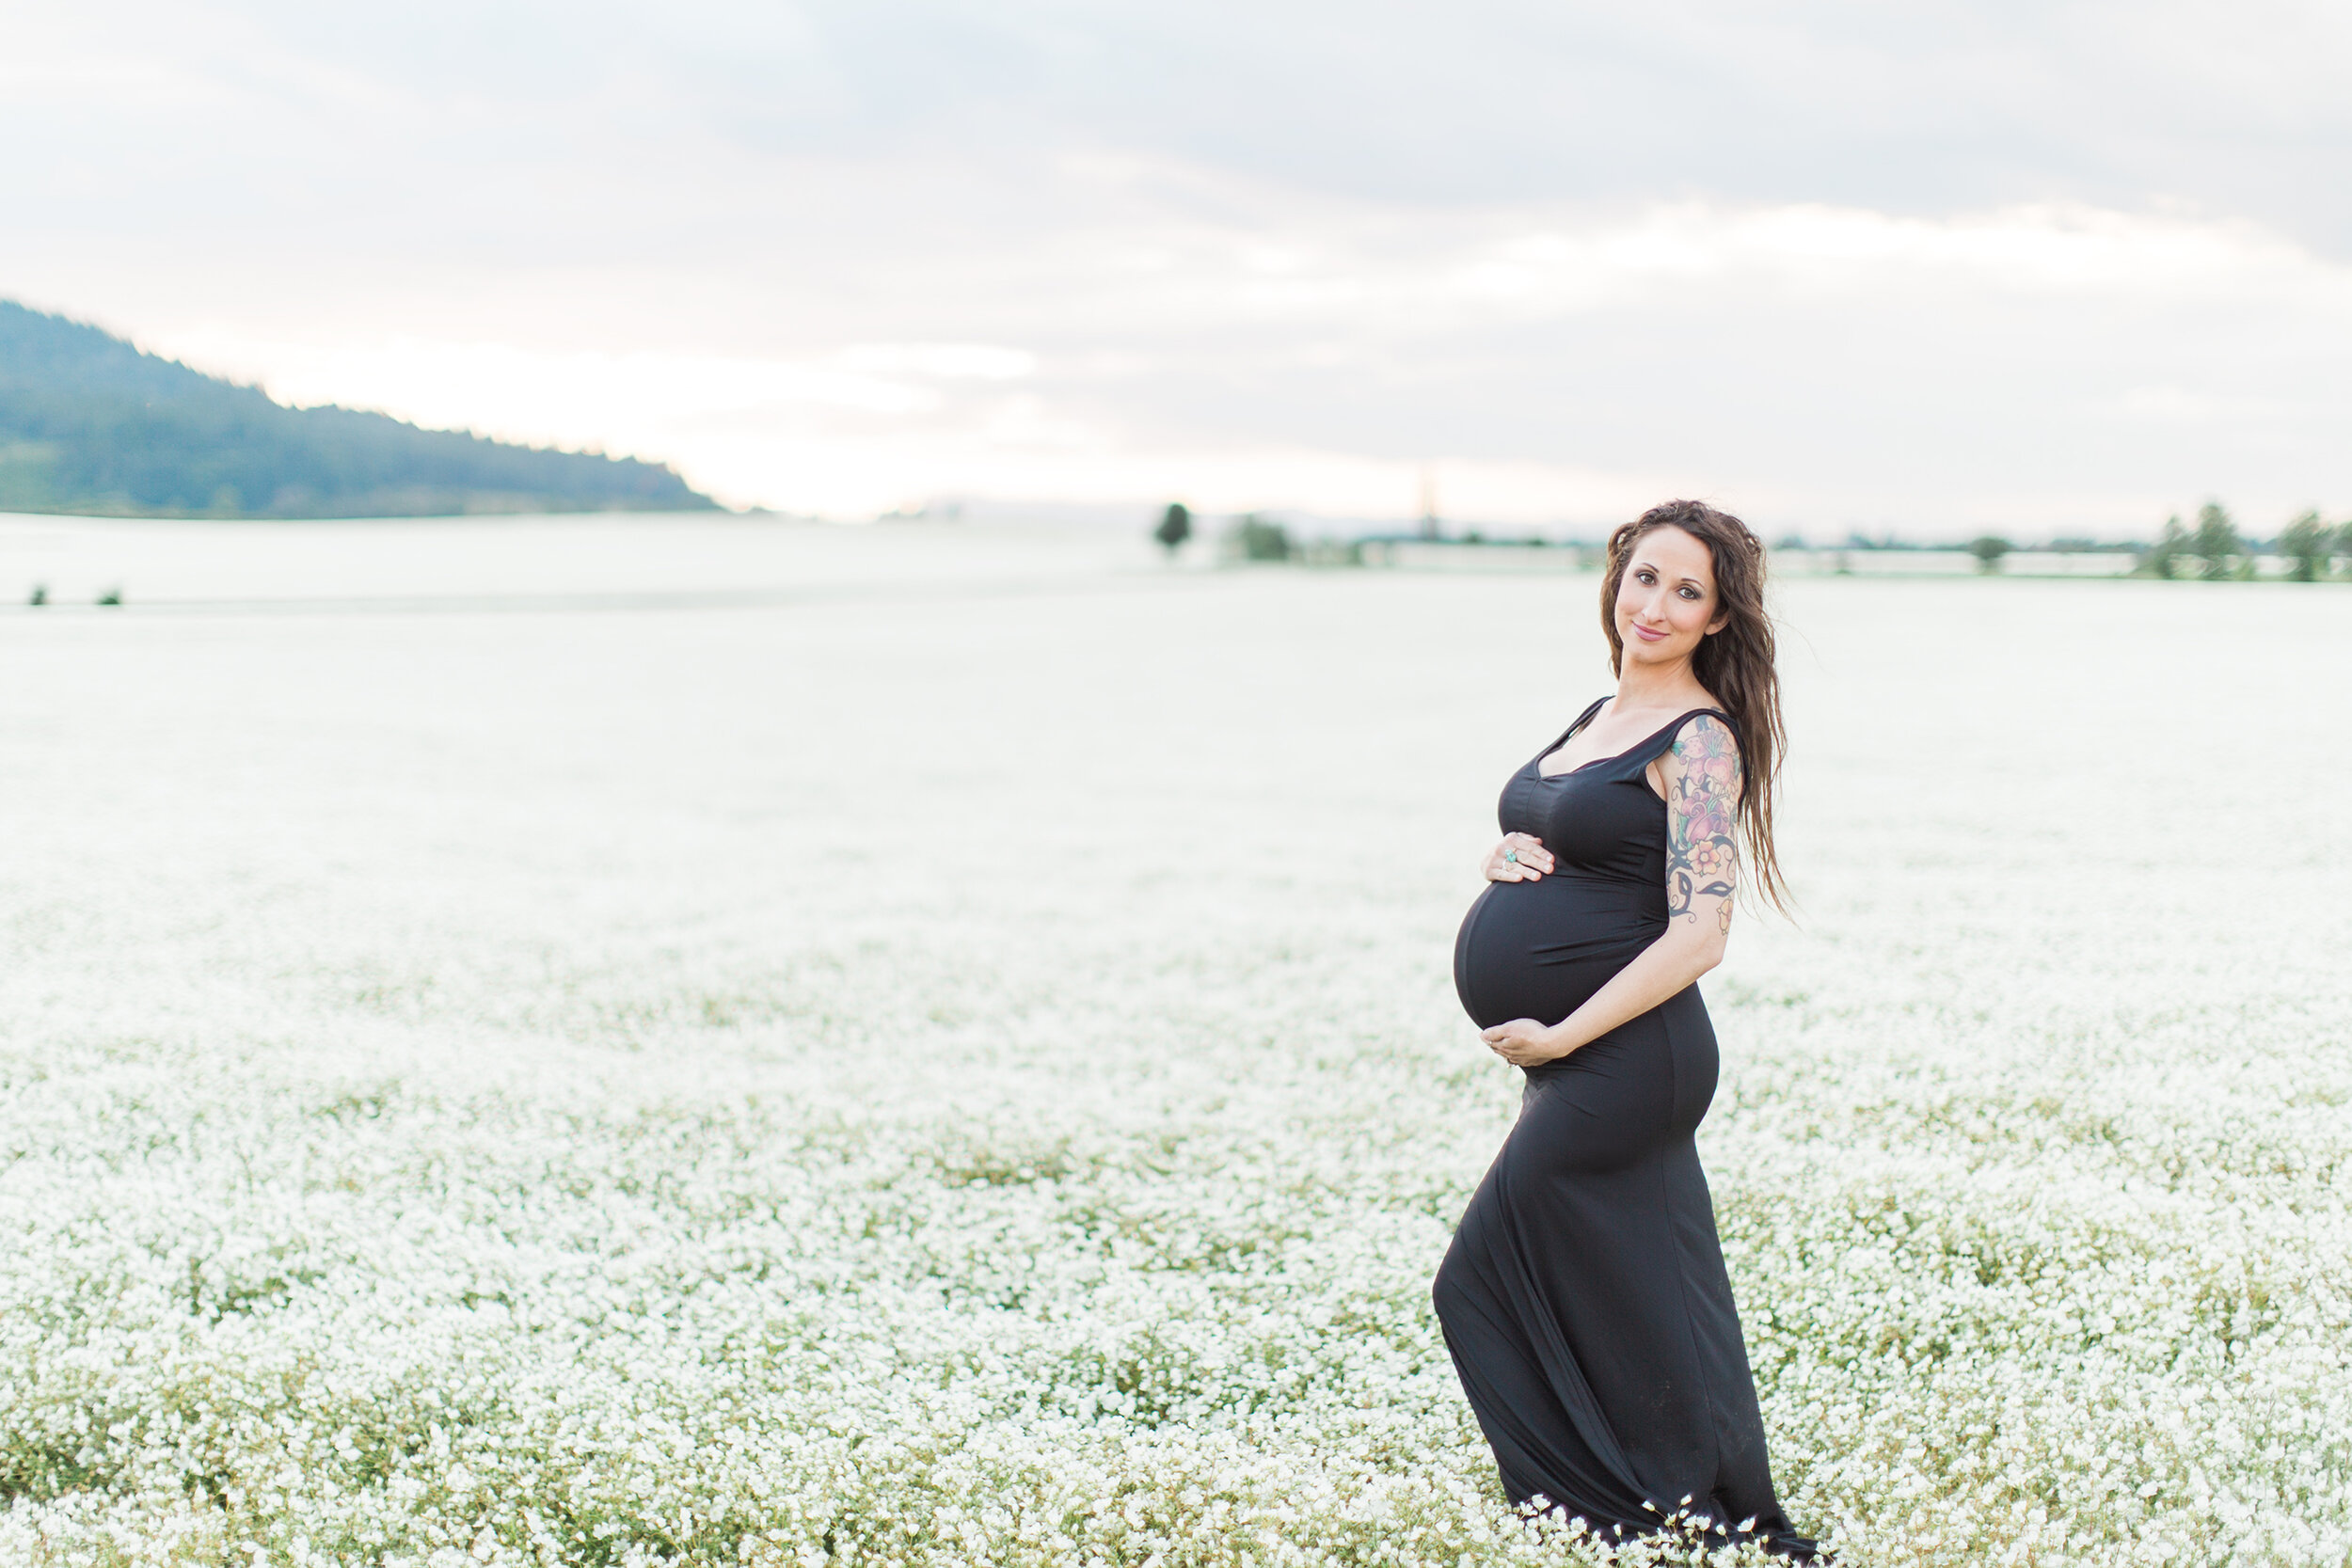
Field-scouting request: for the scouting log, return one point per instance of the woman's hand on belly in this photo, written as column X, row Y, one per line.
column 1519, row 858
column 1524, row 1043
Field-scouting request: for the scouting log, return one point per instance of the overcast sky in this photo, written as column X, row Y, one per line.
column 2039, row 268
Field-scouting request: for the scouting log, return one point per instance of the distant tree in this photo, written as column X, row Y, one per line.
column 2307, row 543
column 1988, row 549
column 2164, row 557
column 2216, row 539
column 1263, row 539
column 41, row 593
column 1175, row 527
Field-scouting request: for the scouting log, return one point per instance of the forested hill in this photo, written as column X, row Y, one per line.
column 91, row 424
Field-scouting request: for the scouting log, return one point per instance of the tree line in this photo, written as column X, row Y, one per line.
column 91, row 425
column 2308, row 545
column 2214, row 550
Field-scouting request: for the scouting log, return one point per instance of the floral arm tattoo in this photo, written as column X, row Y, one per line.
column 1702, row 802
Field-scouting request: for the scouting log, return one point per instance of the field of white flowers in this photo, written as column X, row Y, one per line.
column 931, row 1077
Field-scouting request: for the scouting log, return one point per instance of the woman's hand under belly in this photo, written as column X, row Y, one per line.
column 1524, row 1043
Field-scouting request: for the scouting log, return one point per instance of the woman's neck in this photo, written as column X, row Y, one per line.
column 1648, row 685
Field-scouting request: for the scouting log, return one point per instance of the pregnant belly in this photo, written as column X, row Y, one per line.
column 1539, row 949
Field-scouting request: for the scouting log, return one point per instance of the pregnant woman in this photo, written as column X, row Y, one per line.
column 1583, row 1298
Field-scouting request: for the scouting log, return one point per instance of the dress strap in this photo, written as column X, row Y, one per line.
column 1582, row 720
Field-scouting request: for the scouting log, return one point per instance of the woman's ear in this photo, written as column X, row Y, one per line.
column 1718, row 624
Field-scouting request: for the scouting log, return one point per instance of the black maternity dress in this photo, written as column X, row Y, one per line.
column 1583, row 1298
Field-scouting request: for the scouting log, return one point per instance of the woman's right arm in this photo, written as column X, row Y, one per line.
column 1519, row 858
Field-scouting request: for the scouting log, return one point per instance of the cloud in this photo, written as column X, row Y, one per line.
column 948, row 361
column 1866, row 266
column 1831, row 367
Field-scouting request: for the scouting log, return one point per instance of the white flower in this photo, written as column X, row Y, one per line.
column 858, row 1084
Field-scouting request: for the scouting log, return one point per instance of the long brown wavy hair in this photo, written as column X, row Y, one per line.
column 1735, row 663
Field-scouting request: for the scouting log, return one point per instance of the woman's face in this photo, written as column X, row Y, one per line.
column 1666, row 601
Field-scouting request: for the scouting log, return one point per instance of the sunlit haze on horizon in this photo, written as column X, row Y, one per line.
column 2041, row 270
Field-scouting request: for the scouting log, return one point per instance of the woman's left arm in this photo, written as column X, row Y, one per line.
column 1701, row 776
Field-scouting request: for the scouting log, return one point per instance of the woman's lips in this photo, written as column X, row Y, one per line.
column 1647, row 635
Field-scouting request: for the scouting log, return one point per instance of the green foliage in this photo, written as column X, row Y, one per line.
column 1175, row 527
column 2163, row 558
column 2307, row 543
column 1263, row 539
column 89, row 423
column 1988, row 549
column 2216, row 541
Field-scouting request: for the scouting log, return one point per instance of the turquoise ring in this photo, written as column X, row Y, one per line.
column 1511, row 855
